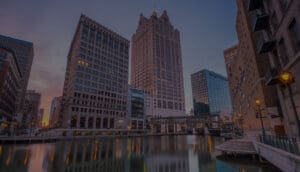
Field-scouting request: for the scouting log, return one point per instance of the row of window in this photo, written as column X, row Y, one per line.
column 103, row 38
column 169, row 105
column 110, row 111
column 92, row 122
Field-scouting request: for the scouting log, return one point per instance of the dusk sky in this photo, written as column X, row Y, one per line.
column 207, row 27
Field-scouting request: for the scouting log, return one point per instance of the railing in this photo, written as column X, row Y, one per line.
column 281, row 142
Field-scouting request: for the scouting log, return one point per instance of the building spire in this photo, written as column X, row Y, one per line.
column 154, row 14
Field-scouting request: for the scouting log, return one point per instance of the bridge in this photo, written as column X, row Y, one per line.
column 181, row 124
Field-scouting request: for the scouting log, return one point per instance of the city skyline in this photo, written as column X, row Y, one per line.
column 51, row 52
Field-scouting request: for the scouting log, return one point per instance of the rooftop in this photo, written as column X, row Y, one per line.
column 14, row 39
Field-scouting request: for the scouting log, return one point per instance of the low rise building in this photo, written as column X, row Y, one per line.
column 31, row 109
column 137, row 108
column 55, row 117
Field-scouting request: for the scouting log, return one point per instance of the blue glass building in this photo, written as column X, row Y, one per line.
column 136, row 107
column 210, row 93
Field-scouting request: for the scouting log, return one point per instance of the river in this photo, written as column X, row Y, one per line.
column 136, row 154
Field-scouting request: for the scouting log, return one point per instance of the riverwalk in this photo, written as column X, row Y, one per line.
column 279, row 151
column 44, row 139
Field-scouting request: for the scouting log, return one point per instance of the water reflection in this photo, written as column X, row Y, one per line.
column 151, row 154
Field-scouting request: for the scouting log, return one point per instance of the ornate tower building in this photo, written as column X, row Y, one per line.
column 156, row 64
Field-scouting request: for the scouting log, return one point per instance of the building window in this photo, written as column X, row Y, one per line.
column 105, row 123
column 164, row 105
column 112, row 123
column 98, row 122
column 90, row 122
column 82, row 122
column 294, row 35
column 73, row 121
column 283, row 4
column 3, row 55
column 170, row 105
column 159, row 103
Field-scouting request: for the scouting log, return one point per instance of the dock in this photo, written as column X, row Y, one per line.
column 237, row 146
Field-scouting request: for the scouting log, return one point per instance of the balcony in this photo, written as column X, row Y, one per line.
column 263, row 43
column 260, row 21
column 271, row 77
column 254, row 4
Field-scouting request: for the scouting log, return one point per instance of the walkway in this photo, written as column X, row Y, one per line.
column 238, row 146
column 284, row 160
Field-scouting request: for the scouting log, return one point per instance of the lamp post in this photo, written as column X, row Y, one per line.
column 287, row 78
column 240, row 117
column 258, row 104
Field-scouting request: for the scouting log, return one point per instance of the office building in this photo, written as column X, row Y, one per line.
column 210, row 93
column 156, row 64
column 137, row 108
column 24, row 56
column 95, row 88
column 10, row 78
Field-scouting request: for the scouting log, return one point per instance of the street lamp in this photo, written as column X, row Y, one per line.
column 287, row 78
column 240, row 117
column 259, row 115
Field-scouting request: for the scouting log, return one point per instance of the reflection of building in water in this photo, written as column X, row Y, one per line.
column 168, row 162
column 94, row 156
column 205, row 150
column 26, row 158
column 167, row 154
column 9, row 156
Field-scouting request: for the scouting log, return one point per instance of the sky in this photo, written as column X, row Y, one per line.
column 207, row 27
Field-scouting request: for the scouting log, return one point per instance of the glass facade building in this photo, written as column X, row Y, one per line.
column 24, row 53
column 136, row 107
column 210, row 93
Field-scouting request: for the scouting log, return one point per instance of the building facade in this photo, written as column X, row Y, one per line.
column 137, row 108
column 233, row 66
column 210, row 93
column 10, row 77
column 31, row 109
column 55, row 115
column 156, row 64
column 24, row 57
column 277, row 23
column 247, row 65
column 96, row 79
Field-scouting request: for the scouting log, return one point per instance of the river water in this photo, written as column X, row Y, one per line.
column 136, row 154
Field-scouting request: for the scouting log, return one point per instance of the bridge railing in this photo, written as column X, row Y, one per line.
column 282, row 142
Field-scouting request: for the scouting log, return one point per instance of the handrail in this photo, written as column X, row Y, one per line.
column 282, row 142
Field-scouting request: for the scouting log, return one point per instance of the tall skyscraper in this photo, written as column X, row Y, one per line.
column 96, row 79
column 156, row 64
column 10, row 78
column 24, row 55
column 210, row 93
